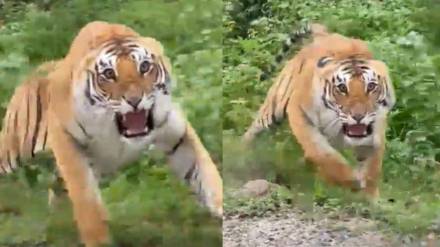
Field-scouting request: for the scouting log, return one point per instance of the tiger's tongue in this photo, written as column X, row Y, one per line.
column 135, row 121
column 357, row 129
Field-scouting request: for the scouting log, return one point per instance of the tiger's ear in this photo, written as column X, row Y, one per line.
column 154, row 46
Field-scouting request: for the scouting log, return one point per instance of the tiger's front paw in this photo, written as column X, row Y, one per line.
column 359, row 182
column 372, row 193
column 217, row 211
column 215, row 205
column 217, row 208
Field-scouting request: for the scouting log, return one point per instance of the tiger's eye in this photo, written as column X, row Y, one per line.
column 109, row 74
column 371, row 86
column 144, row 67
column 342, row 88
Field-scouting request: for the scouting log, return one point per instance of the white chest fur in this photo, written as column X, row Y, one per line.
column 107, row 150
column 94, row 127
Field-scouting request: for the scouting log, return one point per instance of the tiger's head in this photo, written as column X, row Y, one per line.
column 359, row 91
column 129, row 76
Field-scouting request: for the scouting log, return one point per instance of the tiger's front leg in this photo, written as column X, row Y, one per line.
column 371, row 168
column 190, row 160
column 330, row 164
column 371, row 174
column 89, row 212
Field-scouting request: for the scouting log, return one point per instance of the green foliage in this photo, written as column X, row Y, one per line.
column 402, row 33
column 277, row 199
column 148, row 206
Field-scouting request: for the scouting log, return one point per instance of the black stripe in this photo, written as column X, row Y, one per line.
column 301, row 66
column 306, row 117
column 8, row 157
column 324, row 100
column 167, row 74
column 383, row 102
column 132, row 46
column 162, row 73
column 201, row 196
column 285, row 107
column 6, row 126
column 15, row 123
column 177, row 145
column 1, row 166
column 45, row 139
column 109, row 43
column 162, row 87
column 27, row 117
column 100, row 94
column 278, row 85
column 345, row 62
column 348, row 69
column 286, row 91
column 190, row 172
column 87, row 90
column 83, row 129
column 18, row 160
column 323, row 61
column 338, row 78
column 113, row 53
column 110, row 50
column 37, row 124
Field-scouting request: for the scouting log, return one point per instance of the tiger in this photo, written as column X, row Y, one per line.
column 99, row 108
column 335, row 96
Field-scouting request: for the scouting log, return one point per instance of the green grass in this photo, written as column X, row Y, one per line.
column 147, row 206
column 403, row 34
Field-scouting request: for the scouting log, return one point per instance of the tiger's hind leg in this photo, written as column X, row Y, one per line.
column 190, row 161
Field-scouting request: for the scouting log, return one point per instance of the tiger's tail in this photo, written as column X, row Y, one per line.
column 24, row 130
column 274, row 107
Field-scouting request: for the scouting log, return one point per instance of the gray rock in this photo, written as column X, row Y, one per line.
column 256, row 188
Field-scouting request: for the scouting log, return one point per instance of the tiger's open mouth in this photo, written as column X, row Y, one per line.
column 135, row 124
column 357, row 130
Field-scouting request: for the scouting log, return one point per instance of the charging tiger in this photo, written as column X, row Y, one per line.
column 98, row 109
column 335, row 96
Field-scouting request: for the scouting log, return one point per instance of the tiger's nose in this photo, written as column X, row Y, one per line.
column 133, row 101
column 358, row 117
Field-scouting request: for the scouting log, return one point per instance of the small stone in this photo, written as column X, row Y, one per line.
column 256, row 188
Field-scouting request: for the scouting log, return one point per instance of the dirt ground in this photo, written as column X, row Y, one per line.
column 292, row 229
